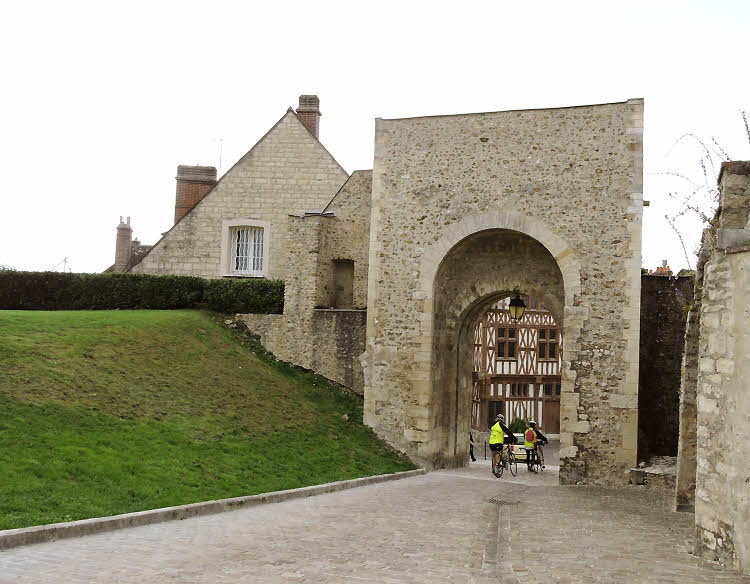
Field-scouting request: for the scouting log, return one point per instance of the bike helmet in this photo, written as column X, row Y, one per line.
column 500, row 418
column 532, row 423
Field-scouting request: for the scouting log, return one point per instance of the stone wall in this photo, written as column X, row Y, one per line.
column 722, row 497
column 310, row 334
column 664, row 306
column 287, row 171
column 688, row 439
column 347, row 235
column 569, row 178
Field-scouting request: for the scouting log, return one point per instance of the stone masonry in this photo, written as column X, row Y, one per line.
column 569, row 178
column 722, row 496
column 665, row 301
column 688, row 440
column 313, row 333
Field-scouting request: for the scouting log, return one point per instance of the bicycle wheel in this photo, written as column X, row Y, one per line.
column 512, row 464
column 500, row 468
column 540, row 458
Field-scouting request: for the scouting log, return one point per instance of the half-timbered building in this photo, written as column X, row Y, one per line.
column 517, row 367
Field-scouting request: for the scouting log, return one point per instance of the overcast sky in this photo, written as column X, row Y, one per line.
column 101, row 101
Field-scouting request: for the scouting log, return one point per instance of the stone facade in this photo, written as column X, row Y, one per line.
column 665, row 302
column 722, row 496
column 563, row 189
column 287, row 171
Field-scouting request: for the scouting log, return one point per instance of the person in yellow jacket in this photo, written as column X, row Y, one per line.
column 499, row 436
column 530, row 438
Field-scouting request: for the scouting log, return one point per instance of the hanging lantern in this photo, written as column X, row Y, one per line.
column 516, row 308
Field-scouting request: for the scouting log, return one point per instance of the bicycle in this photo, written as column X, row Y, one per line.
column 538, row 460
column 511, row 463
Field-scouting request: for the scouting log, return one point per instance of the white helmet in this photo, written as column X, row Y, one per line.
column 532, row 423
column 500, row 418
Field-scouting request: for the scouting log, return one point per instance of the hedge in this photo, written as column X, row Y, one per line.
column 235, row 295
column 64, row 291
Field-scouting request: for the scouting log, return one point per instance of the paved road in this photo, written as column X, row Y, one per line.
column 436, row 528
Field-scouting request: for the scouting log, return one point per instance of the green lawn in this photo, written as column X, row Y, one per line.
column 115, row 411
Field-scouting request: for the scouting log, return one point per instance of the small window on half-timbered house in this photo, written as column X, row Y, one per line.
column 519, row 389
column 506, row 343
column 547, row 344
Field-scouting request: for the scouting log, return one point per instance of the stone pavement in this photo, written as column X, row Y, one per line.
column 439, row 527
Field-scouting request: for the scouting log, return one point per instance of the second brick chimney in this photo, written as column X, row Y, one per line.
column 193, row 183
column 123, row 246
column 309, row 113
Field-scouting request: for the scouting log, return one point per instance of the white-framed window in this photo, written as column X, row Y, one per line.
column 247, row 250
column 244, row 248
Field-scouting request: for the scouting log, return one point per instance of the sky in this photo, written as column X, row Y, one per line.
column 101, row 101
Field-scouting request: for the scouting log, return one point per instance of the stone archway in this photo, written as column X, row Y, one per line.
column 476, row 262
column 568, row 178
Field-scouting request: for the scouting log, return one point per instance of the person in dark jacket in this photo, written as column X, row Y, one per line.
column 530, row 439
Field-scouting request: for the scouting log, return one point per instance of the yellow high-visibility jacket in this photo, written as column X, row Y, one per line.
column 497, row 436
column 526, row 442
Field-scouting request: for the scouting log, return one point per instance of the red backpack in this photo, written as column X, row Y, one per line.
column 530, row 435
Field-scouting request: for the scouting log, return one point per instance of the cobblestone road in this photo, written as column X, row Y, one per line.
column 435, row 528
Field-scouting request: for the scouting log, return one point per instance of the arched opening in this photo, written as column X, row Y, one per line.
column 517, row 367
column 475, row 274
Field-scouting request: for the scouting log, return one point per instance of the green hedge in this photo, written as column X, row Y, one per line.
column 61, row 291
column 240, row 295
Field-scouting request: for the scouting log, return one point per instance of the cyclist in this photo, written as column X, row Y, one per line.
column 499, row 432
column 530, row 439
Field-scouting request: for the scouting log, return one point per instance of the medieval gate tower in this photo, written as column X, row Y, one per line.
column 468, row 209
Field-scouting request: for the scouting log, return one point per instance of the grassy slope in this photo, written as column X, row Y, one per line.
column 116, row 411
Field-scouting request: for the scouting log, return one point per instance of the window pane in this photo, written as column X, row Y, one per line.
column 511, row 349
column 501, row 333
column 257, row 249
column 552, row 333
column 541, row 350
column 501, row 350
column 241, row 250
column 552, row 351
column 558, row 389
column 512, row 333
column 542, row 334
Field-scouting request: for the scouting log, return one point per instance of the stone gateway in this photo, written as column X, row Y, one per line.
column 467, row 209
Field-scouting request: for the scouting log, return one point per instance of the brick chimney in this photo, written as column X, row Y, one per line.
column 193, row 182
column 309, row 112
column 122, row 246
